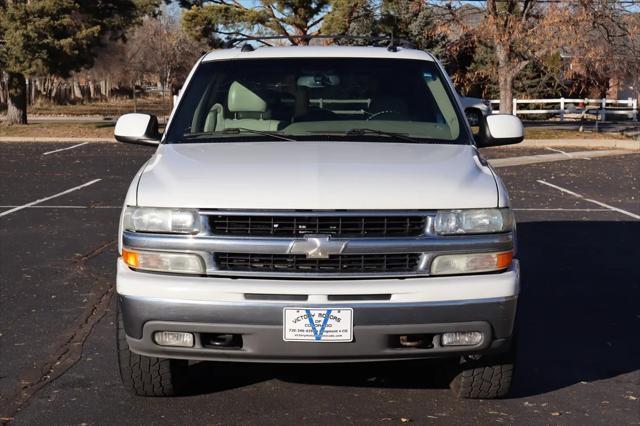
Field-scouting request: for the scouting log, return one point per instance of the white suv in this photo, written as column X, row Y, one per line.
column 317, row 204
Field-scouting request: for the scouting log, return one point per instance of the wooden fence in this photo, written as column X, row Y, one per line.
column 577, row 109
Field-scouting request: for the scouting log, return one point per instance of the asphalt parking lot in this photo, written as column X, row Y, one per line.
column 579, row 312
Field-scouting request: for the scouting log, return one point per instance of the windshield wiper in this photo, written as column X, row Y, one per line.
column 236, row 131
column 360, row 131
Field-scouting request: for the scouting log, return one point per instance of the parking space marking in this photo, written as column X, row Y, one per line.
column 557, row 150
column 64, row 149
column 565, row 153
column 559, row 210
column 42, row 200
column 65, row 207
column 575, row 194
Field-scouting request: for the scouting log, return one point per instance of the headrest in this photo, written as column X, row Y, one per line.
column 241, row 99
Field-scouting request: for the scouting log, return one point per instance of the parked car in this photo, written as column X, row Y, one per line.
column 475, row 109
column 317, row 204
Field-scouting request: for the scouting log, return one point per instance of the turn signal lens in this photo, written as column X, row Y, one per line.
column 130, row 258
column 450, row 264
column 504, row 260
column 178, row 263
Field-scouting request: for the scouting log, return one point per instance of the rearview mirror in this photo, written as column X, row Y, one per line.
column 137, row 128
column 499, row 129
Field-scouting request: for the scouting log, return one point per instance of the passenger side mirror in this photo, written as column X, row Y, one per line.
column 137, row 128
column 499, row 129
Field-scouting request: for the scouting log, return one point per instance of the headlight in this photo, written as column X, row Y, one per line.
column 473, row 221
column 450, row 264
column 179, row 263
column 152, row 219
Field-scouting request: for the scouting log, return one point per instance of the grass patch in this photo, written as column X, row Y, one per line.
column 61, row 130
column 112, row 108
column 542, row 133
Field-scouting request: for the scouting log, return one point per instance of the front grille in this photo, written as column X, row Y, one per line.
column 337, row 226
column 339, row 264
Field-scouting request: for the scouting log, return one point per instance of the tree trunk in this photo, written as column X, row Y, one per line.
column 505, row 85
column 17, row 105
column 135, row 100
column 3, row 97
column 92, row 90
column 505, row 78
column 77, row 92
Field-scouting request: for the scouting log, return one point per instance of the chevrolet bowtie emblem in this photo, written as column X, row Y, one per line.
column 317, row 246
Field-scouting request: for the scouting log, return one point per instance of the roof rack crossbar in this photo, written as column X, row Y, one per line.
column 393, row 42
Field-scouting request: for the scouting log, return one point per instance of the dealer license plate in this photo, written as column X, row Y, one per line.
column 317, row 325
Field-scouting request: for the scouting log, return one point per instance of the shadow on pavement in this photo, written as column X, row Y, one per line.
column 579, row 311
column 578, row 320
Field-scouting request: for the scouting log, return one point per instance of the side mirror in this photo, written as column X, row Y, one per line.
column 499, row 129
column 137, row 128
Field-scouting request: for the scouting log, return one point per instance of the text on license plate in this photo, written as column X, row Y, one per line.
column 317, row 325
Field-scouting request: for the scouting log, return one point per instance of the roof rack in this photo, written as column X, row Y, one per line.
column 391, row 42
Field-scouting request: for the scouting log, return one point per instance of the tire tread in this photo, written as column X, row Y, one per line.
column 147, row 376
column 487, row 378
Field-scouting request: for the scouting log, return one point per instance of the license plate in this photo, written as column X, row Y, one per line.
column 317, row 325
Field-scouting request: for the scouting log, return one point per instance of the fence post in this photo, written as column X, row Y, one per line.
column 562, row 109
column 515, row 106
column 603, row 110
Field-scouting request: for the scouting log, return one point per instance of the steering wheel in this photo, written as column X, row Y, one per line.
column 383, row 112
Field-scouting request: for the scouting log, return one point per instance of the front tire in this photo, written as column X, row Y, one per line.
column 148, row 376
column 486, row 378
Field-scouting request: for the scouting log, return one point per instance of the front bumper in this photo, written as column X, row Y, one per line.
column 377, row 328
column 421, row 306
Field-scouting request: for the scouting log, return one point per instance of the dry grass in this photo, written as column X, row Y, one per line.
column 542, row 133
column 63, row 130
column 113, row 108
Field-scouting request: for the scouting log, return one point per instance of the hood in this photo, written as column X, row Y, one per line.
column 317, row 176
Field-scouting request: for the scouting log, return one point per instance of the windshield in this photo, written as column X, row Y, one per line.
column 317, row 99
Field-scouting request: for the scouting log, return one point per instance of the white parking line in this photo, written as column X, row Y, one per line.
column 560, row 210
column 575, row 194
column 557, row 150
column 42, row 200
column 65, row 207
column 64, row 149
column 565, row 154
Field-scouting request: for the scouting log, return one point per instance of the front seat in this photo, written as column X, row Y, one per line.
column 248, row 110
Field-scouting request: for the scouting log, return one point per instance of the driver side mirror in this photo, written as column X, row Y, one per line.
column 499, row 129
column 137, row 128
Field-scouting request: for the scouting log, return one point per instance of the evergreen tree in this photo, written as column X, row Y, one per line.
column 57, row 37
column 287, row 18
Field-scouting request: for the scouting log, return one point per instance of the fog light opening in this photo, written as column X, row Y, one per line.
column 173, row 338
column 420, row 341
column 221, row 340
column 462, row 338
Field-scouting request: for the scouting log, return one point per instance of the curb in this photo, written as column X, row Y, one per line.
column 545, row 158
column 28, row 139
column 633, row 145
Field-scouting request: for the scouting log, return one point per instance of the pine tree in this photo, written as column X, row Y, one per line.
column 57, row 37
column 230, row 19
